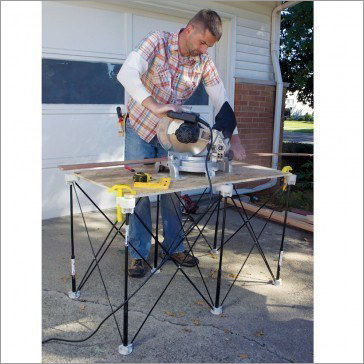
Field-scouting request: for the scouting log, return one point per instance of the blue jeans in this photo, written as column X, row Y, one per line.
column 136, row 148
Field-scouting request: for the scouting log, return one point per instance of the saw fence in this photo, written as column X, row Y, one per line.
column 225, row 193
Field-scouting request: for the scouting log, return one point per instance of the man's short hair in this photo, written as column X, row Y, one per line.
column 208, row 19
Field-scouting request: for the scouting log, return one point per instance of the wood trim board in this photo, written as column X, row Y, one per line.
column 71, row 167
column 278, row 217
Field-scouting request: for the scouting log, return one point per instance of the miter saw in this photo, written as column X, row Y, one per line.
column 192, row 145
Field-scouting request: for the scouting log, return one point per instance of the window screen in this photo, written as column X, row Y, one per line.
column 79, row 82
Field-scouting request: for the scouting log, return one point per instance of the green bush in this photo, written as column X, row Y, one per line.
column 289, row 147
column 302, row 166
column 306, row 117
column 298, row 199
column 287, row 113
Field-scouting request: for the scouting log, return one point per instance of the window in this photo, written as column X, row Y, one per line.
column 289, row 102
column 79, row 82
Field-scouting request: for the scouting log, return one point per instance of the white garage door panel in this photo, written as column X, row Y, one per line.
column 55, row 195
column 91, row 137
column 143, row 25
column 79, row 28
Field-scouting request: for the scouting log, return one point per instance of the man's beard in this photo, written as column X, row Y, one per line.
column 192, row 52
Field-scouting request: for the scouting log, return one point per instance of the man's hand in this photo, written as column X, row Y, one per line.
column 160, row 110
column 237, row 148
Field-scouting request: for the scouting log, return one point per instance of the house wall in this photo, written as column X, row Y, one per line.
column 105, row 32
column 254, row 110
column 253, row 58
column 297, row 108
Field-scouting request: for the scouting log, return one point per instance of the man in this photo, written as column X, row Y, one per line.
column 160, row 75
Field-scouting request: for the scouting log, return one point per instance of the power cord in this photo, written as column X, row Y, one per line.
column 203, row 122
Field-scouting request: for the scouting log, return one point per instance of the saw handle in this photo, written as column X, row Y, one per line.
column 189, row 117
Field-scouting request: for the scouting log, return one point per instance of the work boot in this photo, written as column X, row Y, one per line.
column 184, row 259
column 137, row 268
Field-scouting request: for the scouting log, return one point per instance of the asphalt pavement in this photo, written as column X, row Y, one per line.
column 260, row 322
column 295, row 137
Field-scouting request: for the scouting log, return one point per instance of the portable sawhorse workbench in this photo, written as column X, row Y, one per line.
column 224, row 188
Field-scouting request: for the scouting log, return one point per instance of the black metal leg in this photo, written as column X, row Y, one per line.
column 283, row 235
column 125, row 348
column 190, row 217
column 73, row 269
column 74, row 294
column 246, row 222
column 217, row 310
column 156, row 240
column 216, row 229
column 253, row 236
column 92, row 266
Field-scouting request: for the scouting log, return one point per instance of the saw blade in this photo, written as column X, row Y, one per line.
column 166, row 135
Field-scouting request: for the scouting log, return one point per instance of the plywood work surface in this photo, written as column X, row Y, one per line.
column 242, row 172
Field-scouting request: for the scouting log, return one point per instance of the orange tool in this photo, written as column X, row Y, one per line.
column 121, row 121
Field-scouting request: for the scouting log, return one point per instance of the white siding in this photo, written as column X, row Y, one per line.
column 253, row 48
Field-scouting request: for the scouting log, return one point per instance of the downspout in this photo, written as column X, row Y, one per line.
column 274, row 51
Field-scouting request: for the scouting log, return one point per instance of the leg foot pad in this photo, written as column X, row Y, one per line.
column 74, row 295
column 125, row 350
column 155, row 270
column 216, row 310
column 277, row 282
column 214, row 251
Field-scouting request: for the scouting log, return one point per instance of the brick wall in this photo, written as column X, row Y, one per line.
column 254, row 111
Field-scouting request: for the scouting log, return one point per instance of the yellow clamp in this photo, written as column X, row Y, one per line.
column 119, row 193
column 286, row 169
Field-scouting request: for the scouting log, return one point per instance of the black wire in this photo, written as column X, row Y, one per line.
column 207, row 156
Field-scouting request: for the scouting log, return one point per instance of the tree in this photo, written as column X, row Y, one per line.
column 296, row 50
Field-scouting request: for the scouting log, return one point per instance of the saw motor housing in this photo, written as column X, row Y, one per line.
column 187, row 140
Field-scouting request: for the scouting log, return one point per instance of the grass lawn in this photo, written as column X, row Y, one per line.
column 298, row 126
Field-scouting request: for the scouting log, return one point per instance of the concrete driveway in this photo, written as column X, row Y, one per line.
column 260, row 322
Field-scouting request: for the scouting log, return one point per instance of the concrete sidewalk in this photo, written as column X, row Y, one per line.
column 260, row 323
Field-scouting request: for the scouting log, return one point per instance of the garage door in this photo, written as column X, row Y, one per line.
column 83, row 50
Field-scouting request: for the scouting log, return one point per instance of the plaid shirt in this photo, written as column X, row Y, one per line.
column 170, row 78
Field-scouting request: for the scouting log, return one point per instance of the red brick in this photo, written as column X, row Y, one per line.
column 254, row 103
column 254, row 110
column 260, row 87
column 247, row 120
column 249, row 86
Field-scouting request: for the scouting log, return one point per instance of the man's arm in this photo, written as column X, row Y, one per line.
column 217, row 93
column 134, row 67
column 159, row 109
